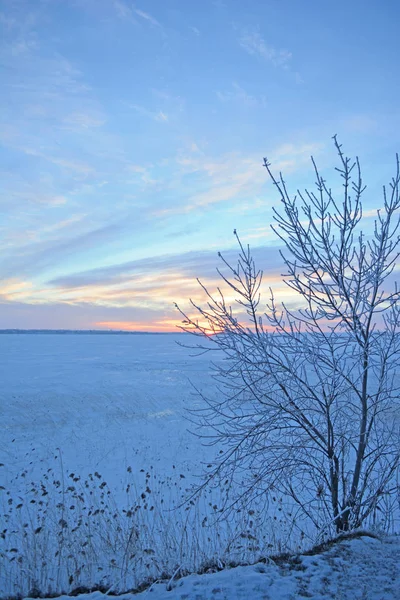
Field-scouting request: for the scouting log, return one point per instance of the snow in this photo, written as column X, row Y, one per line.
column 100, row 399
column 358, row 569
column 114, row 405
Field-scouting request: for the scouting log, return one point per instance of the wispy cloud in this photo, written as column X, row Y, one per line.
column 154, row 283
column 159, row 115
column 359, row 124
column 146, row 16
column 30, row 195
column 12, row 287
column 62, row 315
column 123, row 10
column 38, row 257
column 84, row 120
column 240, row 95
column 188, row 264
column 69, row 164
column 234, row 176
column 45, row 99
column 253, row 43
column 59, row 225
column 127, row 12
column 140, row 294
column 153, row 271
column 173, row 103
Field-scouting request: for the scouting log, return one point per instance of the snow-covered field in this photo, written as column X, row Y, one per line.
column 106, row 401
column 95, row 459
column 90, row 423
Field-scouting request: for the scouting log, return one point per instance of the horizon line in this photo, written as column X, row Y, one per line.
column 15, row 330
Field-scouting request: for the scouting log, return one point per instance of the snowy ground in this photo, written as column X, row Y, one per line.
column 87, row 404
column 99, row 399
column 110, row 410
column 358, row 569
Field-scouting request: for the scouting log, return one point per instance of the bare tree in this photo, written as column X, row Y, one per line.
column 307, row 396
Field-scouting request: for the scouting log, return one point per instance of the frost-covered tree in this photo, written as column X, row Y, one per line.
column 308, row 400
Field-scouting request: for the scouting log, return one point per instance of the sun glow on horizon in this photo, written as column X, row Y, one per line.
column 157, row 327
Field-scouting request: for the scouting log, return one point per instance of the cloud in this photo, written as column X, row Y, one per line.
column 148, row 288
column 233, row 176
column 239, row 94
column 159, row 326
column 136, row 295
column 156, row 282
column 124, row 11
column 37, row 257
column 147, row 17
column 137, row 169
column 159, row 116
column 359, row 124
column 187, row 263
column 45, row 100
column 60, row 225
column 12, row 286
column 19, row 238
column 77, row 120
column 17, row 196
column 259, row 233
column 59, row 315
column 254, row 44
column 69, row 164
column 175, row 104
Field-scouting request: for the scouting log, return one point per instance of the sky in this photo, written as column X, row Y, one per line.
column 132, row 138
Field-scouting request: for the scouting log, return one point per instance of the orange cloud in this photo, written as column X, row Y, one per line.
column 12, row 288
column 167, row 326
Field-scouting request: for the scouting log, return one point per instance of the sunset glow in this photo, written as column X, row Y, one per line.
column 159, row 326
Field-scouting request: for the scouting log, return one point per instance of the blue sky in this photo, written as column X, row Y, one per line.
column 132, row 137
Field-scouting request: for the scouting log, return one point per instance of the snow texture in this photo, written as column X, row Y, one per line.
column 100, row 399
column 359, row 569
column 101, row 403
